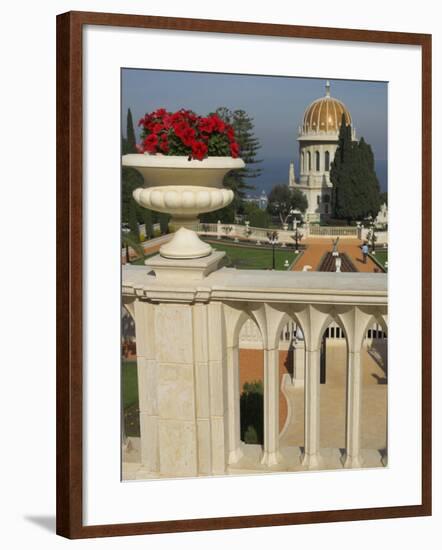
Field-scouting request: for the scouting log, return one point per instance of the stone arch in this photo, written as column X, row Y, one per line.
column 332, row 316
column 235, row 317
column 288, row 386
column 285, row 317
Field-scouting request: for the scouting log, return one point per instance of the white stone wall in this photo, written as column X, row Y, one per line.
column 188, row 339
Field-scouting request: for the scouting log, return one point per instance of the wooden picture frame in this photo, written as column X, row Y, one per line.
column 70, row 269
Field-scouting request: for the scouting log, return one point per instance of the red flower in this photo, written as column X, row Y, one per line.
column 199, row 150
column 187, row 136
column 234, row 149
column 206, row 125
column 219, row 124
column 159, row 113
column 164, row 146
column 167, row 121
column 230, row 132
column 157, row 127
column 150, row 143
column 145, row 121
column 180, row 127
column 198, row 134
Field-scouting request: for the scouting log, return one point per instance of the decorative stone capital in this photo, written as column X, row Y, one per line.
column 169, row 270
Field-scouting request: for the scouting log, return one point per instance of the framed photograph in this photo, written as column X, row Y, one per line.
column 243, row 274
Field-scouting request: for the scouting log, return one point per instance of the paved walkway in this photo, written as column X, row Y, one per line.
column 333, row 399
column 316, row 248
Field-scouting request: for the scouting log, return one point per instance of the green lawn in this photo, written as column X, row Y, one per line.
column 245, row 257
column 129, row 382
column 381, row 256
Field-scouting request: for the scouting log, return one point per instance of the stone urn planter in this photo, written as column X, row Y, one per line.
column 183, row 188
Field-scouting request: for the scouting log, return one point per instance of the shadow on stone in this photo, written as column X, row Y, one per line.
column 252, row 413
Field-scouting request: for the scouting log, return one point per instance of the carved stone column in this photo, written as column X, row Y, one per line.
column 311, row 455
column 271, row 455
column 233, row 393
column 353, row 457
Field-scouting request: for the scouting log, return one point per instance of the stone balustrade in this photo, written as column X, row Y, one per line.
column 187, row 332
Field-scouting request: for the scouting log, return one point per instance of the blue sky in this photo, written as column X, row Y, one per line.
column 276, row 104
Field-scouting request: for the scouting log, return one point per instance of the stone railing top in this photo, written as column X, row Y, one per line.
column 262, row 286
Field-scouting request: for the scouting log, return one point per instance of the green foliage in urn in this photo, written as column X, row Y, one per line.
column 184, row 133
column 356, row 192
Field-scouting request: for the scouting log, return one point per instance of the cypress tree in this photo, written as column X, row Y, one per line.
column 130, row 134
column 356, row 191
column 130, row 178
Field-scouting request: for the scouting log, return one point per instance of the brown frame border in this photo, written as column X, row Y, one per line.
column 69, row 273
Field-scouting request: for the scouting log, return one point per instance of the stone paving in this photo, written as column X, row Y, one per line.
column 316, row 248
column 332, row 427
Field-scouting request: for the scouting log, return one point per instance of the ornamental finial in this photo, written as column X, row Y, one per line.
column 327, row 89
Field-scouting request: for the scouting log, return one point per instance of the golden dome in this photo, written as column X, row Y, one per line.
column 325, row 115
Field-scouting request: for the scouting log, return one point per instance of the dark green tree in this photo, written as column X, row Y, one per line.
column 252, row 412
column 130, row 133
column 283, row 199
column 133, row 220
column 130, row 178
column 356, row 191
column 164, row 223
column 129, row 142
column 257, row 216
column 224, row 215
column 242, row 123
column 148, row 223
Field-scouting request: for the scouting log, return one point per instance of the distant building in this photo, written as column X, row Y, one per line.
column 382, row 217
column 318, row 140
column 261, row 200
